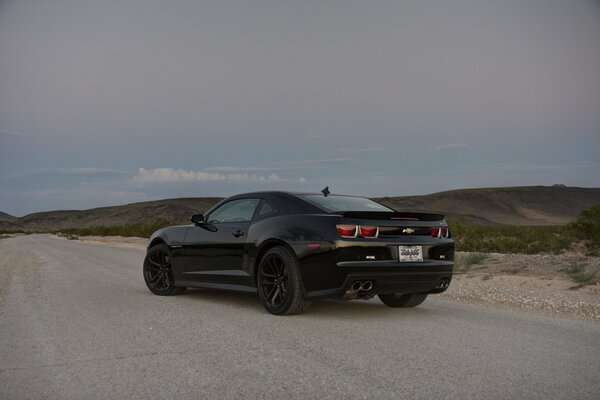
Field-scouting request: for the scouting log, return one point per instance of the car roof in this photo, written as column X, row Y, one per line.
column 283, row 192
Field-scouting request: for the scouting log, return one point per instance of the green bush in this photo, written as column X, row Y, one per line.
column 579, row 275
column 511, row 239
column 131, row 230
column 475, row 258
column 587, row 228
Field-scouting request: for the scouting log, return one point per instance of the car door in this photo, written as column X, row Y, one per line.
column 214, row 251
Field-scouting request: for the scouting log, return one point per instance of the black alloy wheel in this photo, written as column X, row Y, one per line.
column 158, row 273
column 402, row 300
column 279, row 283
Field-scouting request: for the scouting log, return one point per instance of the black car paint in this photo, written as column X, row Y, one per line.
column 226, row 255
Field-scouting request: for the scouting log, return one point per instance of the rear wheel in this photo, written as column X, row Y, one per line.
column 279, row 283
column 403, row 300
column 158, row 273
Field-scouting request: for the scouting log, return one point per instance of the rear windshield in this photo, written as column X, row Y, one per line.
column 336, row 204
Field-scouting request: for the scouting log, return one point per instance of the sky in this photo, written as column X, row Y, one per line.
column 112, row 102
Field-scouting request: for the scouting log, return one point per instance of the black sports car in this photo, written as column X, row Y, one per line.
column 291, row 248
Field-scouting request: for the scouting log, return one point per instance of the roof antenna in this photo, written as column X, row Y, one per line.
column 325, row 191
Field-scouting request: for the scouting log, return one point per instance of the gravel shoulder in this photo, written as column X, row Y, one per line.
column 543, row 283
column 539, row 283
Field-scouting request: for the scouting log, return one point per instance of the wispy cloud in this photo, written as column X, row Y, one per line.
column 359, row 151
column 451, row 147
column 316, row 136
column 317, row 163
column 230, row 169
column 170, row 175
column 7, row 133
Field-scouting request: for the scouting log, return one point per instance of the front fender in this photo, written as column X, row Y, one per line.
column 171, row 236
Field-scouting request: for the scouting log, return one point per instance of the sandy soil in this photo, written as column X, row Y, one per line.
column 118, row 241
column 540, row 283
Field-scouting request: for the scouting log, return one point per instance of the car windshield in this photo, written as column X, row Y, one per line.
column 336, row 204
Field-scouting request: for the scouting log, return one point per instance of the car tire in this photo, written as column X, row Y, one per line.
column 158, row 272
column 279, row 283
column 401, row 300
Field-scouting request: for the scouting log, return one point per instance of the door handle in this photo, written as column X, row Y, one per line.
column 238, row 233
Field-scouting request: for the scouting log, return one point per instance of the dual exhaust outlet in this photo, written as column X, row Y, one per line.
column 359, row 290
column 360, row 286
column 443, row 283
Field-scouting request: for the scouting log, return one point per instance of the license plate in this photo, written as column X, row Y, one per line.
column 410, row 253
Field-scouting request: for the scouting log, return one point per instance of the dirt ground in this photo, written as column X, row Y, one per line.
column 542, row 283
column 563, row 284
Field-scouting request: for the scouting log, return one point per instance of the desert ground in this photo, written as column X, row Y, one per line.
column 77, row 321
column 539, row 283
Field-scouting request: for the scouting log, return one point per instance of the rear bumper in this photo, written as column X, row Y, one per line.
column 329, row 270
column 390, row 277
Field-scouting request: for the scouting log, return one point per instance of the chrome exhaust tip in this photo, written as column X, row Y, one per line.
column 356, row 286
column 366, row 286
column 444, row 283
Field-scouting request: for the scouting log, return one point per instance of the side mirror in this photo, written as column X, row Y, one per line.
column 198, row 219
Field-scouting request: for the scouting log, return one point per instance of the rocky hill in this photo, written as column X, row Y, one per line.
column 523, row 205
column 527, row 205
column 172, row 211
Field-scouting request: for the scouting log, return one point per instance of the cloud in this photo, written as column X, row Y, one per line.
column 317, row 163
column 170, row 175
column 228, row 169
column 359, row 151
column 7, row 133
column 451, row 147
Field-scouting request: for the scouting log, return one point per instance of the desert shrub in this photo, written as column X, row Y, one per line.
column 511, row 239
column 587, row 228
column 579, row 275
column 131, row 230
column 475, row 258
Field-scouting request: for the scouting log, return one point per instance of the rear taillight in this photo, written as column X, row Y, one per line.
column 439, row 233
column 352, row 231
column 347, row 230
column 368, row 231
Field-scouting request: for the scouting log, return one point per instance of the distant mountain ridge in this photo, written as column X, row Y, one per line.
column 519, row 205
column 6, row 217
column 523, row 205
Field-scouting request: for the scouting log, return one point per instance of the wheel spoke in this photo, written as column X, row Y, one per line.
column 156, row 278
column 164, row 281
column 153, row 268
column 278, row 265
column 266, row 275
column 275, row 295
column 271, row 291
column 154, row 263
column 271, row 264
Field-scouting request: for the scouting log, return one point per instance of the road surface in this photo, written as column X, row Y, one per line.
column 77, row 322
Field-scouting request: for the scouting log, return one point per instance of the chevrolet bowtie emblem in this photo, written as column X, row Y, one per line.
column 408, row 231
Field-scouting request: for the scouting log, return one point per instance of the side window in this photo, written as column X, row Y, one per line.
column 234, row 211
column 266, row 209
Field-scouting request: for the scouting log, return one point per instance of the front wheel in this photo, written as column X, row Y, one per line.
column 158, row 273
column 279, row 283
column 403, row 300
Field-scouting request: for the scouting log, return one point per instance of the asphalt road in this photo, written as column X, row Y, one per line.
column 77, row 322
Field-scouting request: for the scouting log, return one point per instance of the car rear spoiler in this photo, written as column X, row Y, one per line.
column 400, row 215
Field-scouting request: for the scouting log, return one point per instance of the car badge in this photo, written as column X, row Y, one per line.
column 408, row 231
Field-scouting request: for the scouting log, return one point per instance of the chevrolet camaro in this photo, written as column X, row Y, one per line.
column 291, row 248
